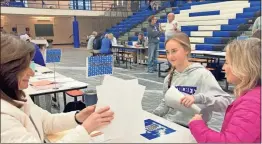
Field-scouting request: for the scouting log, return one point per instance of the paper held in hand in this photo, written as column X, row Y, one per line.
column 124, row 98
column 172, row 99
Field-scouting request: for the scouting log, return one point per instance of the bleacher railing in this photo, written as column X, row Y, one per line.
column 94, row 5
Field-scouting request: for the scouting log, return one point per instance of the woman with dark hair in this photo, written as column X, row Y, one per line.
column 21, row 120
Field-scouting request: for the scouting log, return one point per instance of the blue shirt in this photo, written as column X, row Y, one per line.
column 106, row 46
column 38, row 58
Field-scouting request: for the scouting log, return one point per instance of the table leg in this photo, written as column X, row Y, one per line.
column 123, row 55
column 138, row 56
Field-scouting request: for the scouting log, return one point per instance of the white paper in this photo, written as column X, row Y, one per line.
column 61, row 79
column 172, row 99
column 46, row 76
column 124, row 98
column 109, row 80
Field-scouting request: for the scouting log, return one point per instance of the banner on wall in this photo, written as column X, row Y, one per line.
column 99, row 65
column 53, row 55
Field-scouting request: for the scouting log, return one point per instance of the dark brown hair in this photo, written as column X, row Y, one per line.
column 150, row 18
column 16, row 55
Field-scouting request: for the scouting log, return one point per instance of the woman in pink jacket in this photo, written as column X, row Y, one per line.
column 242, row 122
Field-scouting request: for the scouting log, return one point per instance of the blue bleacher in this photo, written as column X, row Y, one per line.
column 207, row 13
column 219, row 38
column 161, row 46
column 128, row 23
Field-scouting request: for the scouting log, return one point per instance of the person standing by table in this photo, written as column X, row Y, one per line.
column 90, row 42
column 24, row 122
column 153, row 43
column 97, row 42
column 170, row 30
column 171, row 26
column 242, row 122
column 106, row 45
column 38, row 57
column 113, row 40
column 197, row 84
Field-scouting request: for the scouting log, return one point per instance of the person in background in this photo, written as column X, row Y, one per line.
column 106, row 45
column 256, row 25
column 170, row 30
column 3, row 31
column 197, row 84
column 155, row 4
column 171, row 26
column 24, row 122
column 90, row 42
column 150, row 4
column 97, row 42
column 113, row 40
column 153, row 43
column 106, row 36
column 38, row 56
column 141, row 42
column 242, row 122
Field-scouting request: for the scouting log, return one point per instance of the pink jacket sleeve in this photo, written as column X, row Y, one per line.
column 242, row 126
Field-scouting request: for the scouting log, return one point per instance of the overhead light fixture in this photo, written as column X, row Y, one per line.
column 44, row 18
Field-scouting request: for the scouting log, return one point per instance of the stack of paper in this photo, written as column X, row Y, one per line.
column 172, row 99
column 124, row 98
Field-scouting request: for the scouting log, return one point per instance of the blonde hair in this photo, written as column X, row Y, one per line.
column 245, row 62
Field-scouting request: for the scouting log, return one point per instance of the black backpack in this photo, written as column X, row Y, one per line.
column 97, row 43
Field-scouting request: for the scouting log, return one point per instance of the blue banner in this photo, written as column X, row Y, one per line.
column 99, row 65
column 53, row 55
column 76, row 33
column 155, row 129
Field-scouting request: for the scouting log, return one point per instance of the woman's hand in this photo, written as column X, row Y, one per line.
column 98, row 119
column 196, row 117
column 187, row 101
column 85, row 113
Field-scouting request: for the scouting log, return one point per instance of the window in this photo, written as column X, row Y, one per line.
column 80, row 4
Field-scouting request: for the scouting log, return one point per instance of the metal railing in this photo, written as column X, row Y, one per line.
column 94, row 5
